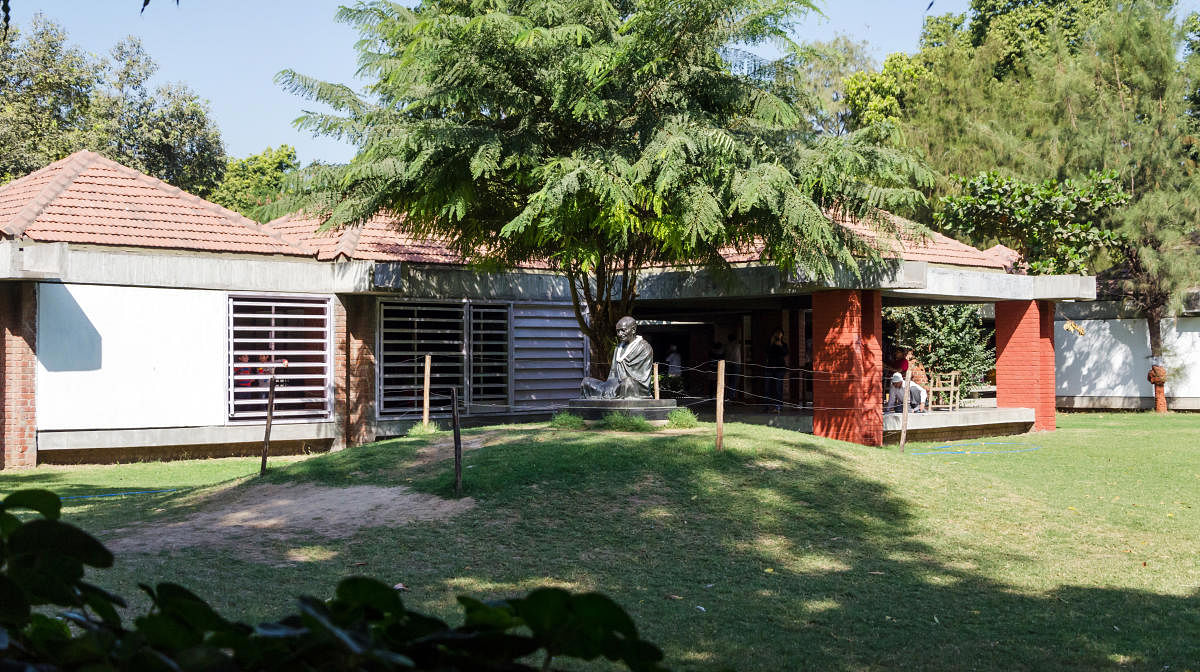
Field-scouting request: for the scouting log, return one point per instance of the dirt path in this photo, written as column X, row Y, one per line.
column 242, row 518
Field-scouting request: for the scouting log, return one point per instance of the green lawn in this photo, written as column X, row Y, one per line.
column 783, row 552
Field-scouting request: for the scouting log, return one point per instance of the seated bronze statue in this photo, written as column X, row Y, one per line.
column 631, row 375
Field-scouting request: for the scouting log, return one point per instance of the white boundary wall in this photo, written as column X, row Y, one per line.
column 112, row 357
column 1106, row 367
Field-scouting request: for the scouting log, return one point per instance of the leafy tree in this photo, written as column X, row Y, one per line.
column 821, row 71
column 1025, row 27
column 879, row 97
column 1058, row 227
column 256, row 180
column 1116, row 99
column 945, row 338
column 57, row 100
column 167, row 133
column 597, row 136
column 46, row 85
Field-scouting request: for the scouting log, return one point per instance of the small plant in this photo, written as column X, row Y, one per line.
column 422, row 429
column 565, row 420
column 623, row 422
column 682, row 418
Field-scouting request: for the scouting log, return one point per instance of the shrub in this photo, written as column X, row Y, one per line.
column 623, row 422
column 682, row 418
column 421, row 429
column 364, row 626
column 946, row 338
column 565, row 420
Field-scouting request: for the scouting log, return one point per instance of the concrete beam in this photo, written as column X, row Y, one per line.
column 32, row 261
column 181, row 436
column 955, row 284
column 97, row 265
column 420, row 281
column 760, row 280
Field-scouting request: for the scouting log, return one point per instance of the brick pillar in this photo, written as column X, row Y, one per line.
column 354, row 320
column 18, row 374
column 1025, row 358
column 848, row 364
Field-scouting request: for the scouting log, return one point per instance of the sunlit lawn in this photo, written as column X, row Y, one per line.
column 783, row 552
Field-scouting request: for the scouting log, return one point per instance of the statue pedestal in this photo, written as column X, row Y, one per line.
column 654, row 410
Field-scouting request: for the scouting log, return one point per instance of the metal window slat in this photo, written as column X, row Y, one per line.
column 291, row 327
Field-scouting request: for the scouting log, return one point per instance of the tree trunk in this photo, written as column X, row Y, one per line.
column 1158, row 369
column 599, row 304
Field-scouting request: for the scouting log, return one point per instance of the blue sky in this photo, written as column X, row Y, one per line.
column 228, row 51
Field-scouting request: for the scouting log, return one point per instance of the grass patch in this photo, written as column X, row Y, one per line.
column 566, row 420
column 804, row 553
column 682, row 418
column 422, row 429
column 617, row 421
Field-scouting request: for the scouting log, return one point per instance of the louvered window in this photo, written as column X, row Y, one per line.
column 288, row 337
column 490, row 358
column 448, row 332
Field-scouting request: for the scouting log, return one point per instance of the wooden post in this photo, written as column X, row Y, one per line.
column 267, row 434
column 721, row 405
column 904, row 414
column 656, row 380
column 425, row 402
column 457, row 443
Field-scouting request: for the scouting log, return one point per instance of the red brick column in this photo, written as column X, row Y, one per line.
column 1025, row 358
column 18, row 374
column 848, row 365
column 354, row 396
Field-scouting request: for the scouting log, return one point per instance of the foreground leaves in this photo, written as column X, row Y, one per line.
column 365, row 626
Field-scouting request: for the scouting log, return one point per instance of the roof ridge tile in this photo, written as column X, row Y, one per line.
column 348, row 241
column 71, row 167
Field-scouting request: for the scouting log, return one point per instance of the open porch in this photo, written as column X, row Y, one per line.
column 833, row 384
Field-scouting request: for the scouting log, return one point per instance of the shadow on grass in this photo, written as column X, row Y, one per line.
column 755, row 558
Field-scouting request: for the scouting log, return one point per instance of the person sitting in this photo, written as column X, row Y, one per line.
column 916, row 396
column 631, row 374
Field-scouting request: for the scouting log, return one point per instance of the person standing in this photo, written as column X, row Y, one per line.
column 777, row 360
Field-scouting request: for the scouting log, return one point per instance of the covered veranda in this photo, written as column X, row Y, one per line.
column 835, row 335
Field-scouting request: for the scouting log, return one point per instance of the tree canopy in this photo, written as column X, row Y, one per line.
column 597, row 136
column 58, row 99
column 256, row 180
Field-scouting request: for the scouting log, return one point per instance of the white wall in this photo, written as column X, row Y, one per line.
column 1181, row 341
column 123, row 357
column 1112, row 358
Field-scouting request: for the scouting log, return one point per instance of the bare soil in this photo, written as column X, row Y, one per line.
column 245, row 520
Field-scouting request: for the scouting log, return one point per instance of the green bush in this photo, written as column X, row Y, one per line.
column 364, row 626
column 421, row 429
column 565, row 420
column 945, row 338
column 623, row 422
column 682, row 418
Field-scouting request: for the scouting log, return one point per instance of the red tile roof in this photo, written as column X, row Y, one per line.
column 86, row 198
column 935, row 249
column 377, row 240
column 380, row 240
